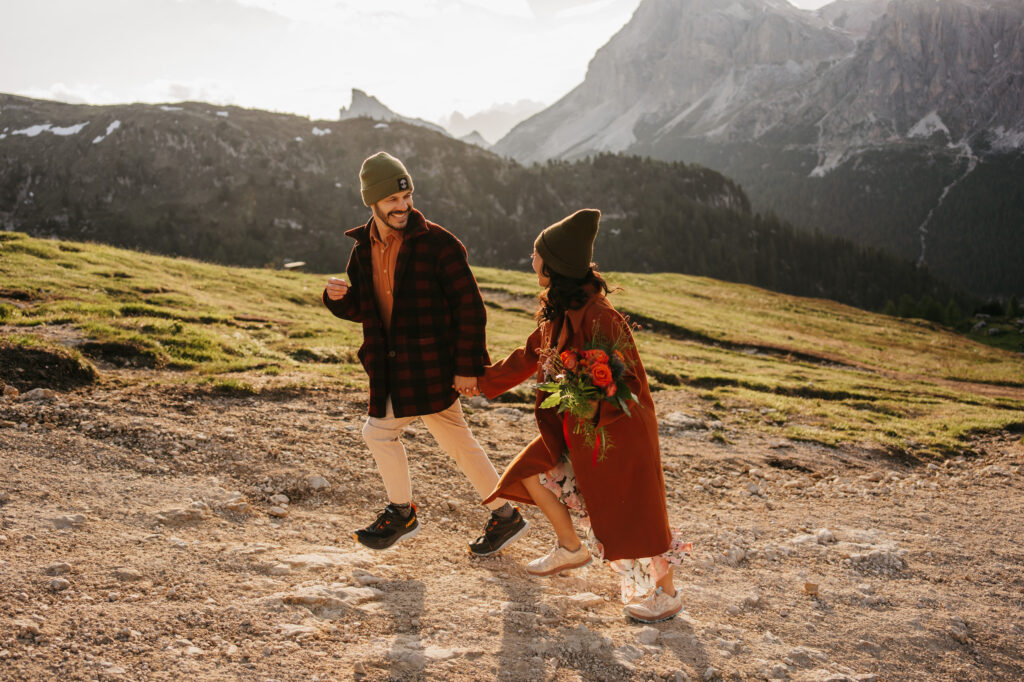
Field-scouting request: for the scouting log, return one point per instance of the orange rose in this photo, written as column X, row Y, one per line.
column 611, row 390
column 596, row 356
column 601, row 374
column 569, row 360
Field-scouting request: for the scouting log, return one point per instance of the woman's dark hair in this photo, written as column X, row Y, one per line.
column 566, row 293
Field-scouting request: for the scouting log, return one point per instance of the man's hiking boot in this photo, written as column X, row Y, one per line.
column 498, row 533
column 389, row 528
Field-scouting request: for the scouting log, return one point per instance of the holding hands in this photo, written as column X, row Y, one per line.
column 336, row 288
column 466, row 386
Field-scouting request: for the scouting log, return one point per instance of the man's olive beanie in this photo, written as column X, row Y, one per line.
column 381, row 176
column 567, row 247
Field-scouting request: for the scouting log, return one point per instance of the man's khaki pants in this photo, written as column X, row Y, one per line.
column 451, row 432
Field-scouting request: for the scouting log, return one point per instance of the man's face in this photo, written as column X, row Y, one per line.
column 394, row 210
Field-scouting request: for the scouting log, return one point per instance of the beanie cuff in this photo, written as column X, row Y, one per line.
column 385, row 188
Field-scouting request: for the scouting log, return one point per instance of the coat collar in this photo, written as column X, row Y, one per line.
column 572, row 321
column 576, row 316
column 417, row 226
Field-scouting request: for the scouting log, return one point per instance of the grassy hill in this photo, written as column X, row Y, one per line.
column 795, row 368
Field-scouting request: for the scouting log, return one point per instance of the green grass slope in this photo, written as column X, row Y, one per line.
column 788, row 367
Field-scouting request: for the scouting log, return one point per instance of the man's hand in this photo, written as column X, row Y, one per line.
column 336, row 288
column 466, row 386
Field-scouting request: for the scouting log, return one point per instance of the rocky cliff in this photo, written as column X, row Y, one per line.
column 696, row 65
column 949, row 68
column 830, row 118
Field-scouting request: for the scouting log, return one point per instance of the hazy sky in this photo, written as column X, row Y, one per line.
column 423, row 58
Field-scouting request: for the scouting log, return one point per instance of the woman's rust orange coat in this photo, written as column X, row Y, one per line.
column 625, row 491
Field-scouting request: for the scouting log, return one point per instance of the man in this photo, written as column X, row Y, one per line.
column 423, row 318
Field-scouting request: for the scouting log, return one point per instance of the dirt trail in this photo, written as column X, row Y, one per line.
column 142, row 536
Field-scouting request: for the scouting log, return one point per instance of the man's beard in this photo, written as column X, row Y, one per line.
column 387, row 220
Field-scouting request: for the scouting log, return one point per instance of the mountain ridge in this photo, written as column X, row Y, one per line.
column 797, row 107
column 247, row 187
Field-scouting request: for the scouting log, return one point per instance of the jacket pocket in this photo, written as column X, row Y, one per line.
column 363, row 354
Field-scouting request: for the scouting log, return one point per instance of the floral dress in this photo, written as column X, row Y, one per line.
column 638, row 576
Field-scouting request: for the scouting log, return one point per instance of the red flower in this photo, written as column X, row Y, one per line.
column 602, row 375
column 596, row 356
column 569, row 360
column 611, row 390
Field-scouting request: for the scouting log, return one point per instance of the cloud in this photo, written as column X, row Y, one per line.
column 204, row 90
column 549, row 9
column 357, row 12
column 507, row 8
column 79, row 93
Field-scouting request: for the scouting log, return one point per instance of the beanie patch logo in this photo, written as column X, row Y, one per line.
column 403, row 184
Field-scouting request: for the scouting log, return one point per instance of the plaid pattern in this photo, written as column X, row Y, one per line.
column 437, row 325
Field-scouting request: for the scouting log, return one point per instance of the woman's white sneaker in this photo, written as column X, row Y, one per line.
column 559, row 559
column 656, row 607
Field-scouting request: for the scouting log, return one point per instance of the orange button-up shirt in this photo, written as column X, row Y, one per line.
column 385, row 256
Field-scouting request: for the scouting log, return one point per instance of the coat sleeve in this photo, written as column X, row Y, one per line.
column 469, row 317
column 347, row 307
column 613, row 326
column 519, row 366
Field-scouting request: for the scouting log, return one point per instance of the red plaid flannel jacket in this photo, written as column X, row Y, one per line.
column 437, row 325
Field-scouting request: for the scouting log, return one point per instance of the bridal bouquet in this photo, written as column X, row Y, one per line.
column 580, row 379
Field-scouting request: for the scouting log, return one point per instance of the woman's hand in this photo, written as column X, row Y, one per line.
column 466, row 386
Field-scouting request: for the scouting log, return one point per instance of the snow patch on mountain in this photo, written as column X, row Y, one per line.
column 1007, row 140
column 33, row 131
column 110, row 128
column 829, row 163
column 928, row 126
column 70, row 130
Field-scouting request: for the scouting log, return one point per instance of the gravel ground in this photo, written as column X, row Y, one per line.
column 151, row 531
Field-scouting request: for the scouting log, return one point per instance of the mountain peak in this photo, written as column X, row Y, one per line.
column 364, row 105
column 698, row 60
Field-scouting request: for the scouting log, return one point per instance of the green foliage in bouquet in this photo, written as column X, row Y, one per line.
column 579, row 380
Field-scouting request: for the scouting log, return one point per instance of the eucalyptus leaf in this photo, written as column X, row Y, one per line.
column 551, row 401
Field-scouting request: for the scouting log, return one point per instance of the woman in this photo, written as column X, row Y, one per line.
column 623, row 491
